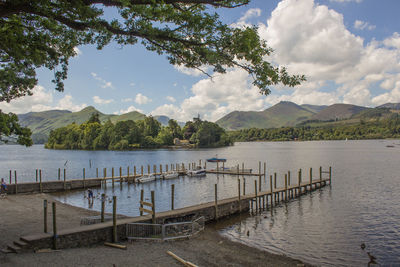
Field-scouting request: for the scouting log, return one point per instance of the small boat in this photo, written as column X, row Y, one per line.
column 215, row 159
column 146, row 178
column 198, row 172
column 170, row 175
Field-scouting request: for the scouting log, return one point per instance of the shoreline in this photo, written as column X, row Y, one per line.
column 24, row 215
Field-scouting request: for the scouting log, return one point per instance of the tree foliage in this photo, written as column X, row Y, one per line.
column 44, row 33
column 9, row 127
column 372, row 129
column 127, row 135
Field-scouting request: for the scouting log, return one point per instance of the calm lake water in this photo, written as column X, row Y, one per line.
column 322, row 228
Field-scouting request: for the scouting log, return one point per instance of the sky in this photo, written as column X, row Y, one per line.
column 349, row 51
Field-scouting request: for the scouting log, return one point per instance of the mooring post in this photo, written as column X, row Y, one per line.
column 259, row 183
column 320, row 173
column 166, row 167
column 153, row 207
column 59, row 174
column 16, row 182
column 286, row 186
column 299, row 186
column 134, row 173
column 259, row 168
column 83, row 173
column 200, row 162
column 37, row 175
column 115, row 237
column 103, row 202
column 205, row 164
column 65, row 182
column 330, row 174
column 54, row 226
column 272, row 189
column 141, row 170
column 112, row 176
column 172, row 196
column 244, row 186
column 10, row 176
column 40, row 183
column 148, row 169
column 97, row 172
column 310, row 179
column 216, row 201
column 160, row 169
column 127, row 174
column 239, row 189
column 275, row 180
column 265, row 171
column 141, row 202
column 255, row 193
column 45, row 215
column 217, row 167
column 155, row 169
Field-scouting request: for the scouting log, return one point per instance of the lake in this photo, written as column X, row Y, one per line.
column 326, row 227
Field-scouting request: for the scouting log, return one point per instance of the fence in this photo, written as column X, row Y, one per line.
column 151, row 231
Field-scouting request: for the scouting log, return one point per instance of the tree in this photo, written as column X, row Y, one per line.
column 9, row 127
column 44, row 33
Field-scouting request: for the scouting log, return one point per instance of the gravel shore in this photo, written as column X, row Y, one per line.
column 23, row 215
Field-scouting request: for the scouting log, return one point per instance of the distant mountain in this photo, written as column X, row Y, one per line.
column 134, row 115
column 338, row 111
column 395, row 106
column 162, row 119
column 282, row 114
column 313, row 108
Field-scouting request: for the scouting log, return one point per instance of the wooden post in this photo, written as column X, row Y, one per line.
column 112, row 176
column 239, row 189
column 141, row 170
column 10, row 176
column 275, row 180
column 217, row 167
column 286, row 185
column 141, row 200
column 242, row 167
column 45, row 215
column 272, row 189
column 154, row 169
column 65, row 181
column 330, row 174
column 153, row 208
column 310, row 179
column 255, row 192
column 320, row 173
column 103, row 201
column 299, row 186
column 37, row 175
column 216, row 201
column 148, row 169
column 105, row 175
column 16, row 183
column 40, row 183
column 166, row 167
column 259, row 183
column 265, row 170
column 172, row 195
column 115, row 237
column 223, row 166
column 127, row 174
column 259, row 168
column 244, row 186
column 160, row 169
column 134, row 173
column 288, row 176
column 205, row 164
column 120, row 175
column 97, row 172
column 83, row 173
column 54, row 226
column 59, row 174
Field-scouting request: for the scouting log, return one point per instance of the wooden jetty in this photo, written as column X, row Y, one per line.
column 114, row 230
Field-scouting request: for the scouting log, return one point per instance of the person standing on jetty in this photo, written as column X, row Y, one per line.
column 3, row 188
column 90, row 197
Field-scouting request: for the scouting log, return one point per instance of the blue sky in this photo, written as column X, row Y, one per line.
column 348, row 49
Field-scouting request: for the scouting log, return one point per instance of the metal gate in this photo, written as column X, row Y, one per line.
column 150, row 231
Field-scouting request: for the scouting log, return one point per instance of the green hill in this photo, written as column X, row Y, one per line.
column 313, row 108
column 338, row 112
column 282, row 114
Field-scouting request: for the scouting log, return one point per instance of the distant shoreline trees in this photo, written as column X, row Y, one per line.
column 374, row 129
column 129, row 135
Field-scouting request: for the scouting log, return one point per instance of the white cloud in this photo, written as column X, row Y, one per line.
column 142, row 99
column 132, row 84
column 77, row 51
column 126, row 99
column 251, row 13
column 99, row 100
column 104, row 83
column 362, row 25
column 41, row 100
column 170, row 98
column 129, row 109
column 393, row 41
column 188, row 71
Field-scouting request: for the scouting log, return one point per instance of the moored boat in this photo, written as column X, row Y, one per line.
column 198, row 172
column 170, row 175
column 215, row 159
column 146, row 178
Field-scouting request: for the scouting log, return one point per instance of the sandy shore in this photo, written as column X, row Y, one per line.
column 23, row 215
